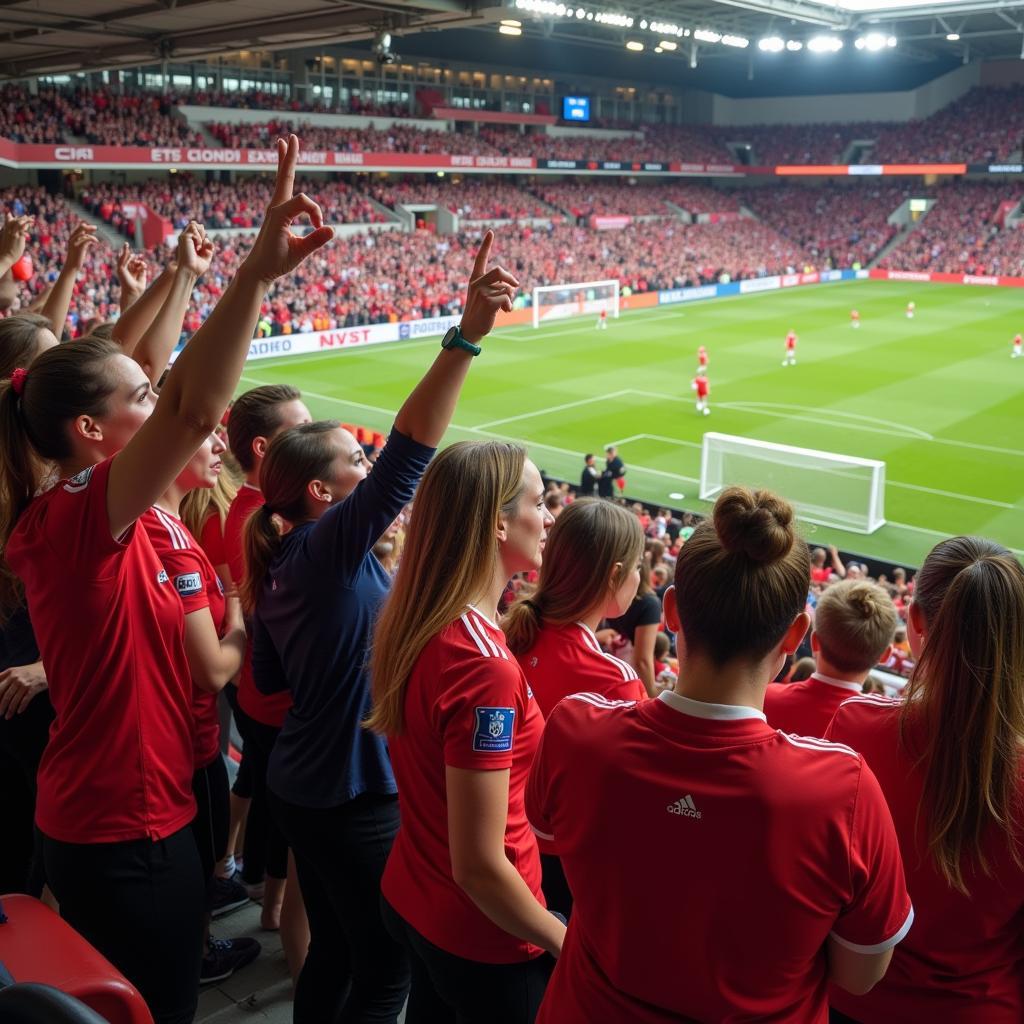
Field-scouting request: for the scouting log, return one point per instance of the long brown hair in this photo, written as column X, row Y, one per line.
column 19, row 340
column 964, row 708
column 450, row 554
column 64, row 382
column 741, row 578
column 294, row 459
column 587, row 541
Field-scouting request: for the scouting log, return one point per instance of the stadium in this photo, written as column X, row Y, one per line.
column 746, row 272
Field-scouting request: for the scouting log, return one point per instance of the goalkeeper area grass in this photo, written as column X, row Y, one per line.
column 937, row 397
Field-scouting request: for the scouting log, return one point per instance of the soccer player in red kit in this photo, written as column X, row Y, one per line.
column 1018, row 344
column 780, row 868
column 602, row 320
column 790, row 359
column 854, row 625
column 949, row 762
column 702, row 360
column 115, row 799
column 702, row 388
column 462, row 886
column 854, row 318
column 911, row 307
column 591, row 571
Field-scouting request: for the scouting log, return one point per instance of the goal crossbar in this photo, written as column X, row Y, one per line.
column 576, row 298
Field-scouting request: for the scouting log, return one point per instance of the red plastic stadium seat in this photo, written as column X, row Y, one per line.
column 362, row 435
column 378, row 440
column 37, row 946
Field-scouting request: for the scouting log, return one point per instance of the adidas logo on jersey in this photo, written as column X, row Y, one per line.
column 685, row 807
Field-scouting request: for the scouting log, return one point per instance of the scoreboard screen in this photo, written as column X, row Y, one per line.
column 576, row 108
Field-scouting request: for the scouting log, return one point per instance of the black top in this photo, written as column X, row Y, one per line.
column 644, row 611
column 588, row 482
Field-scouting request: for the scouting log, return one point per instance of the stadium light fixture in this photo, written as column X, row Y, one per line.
column 705, row 35
column 953, row 37
column 739, row 42
column 824, row 44
column 794, row 45
column 510, row 30
column 635, row 46
column 580, row 13
column 667, row 44
column 664, row 28
column 658, row 49
column 771, row 44
column 643, row 24
column 511, row 22
column 872, row 42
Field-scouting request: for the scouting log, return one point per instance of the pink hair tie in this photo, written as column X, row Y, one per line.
column 18, row 378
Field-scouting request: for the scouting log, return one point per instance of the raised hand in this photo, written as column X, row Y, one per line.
column 195, row 250
column 489, row 291
column 83, row 238
column 277, row 251
column 132, row 270
column 13, row 238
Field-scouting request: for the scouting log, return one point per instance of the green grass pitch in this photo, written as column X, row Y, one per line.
column 938, row 398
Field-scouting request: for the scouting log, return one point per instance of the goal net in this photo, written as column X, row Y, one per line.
column 831, row 490
column 588, row 298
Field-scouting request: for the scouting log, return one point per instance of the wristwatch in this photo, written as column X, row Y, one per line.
column 454, row 339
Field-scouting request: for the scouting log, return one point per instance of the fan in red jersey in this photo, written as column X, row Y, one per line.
column 780, row 865
column 950, row 765
column 591, row 571
column 462, row 886
column 854, row 625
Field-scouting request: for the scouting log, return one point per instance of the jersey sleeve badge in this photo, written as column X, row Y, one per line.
column 494, row 728
column 188, row 583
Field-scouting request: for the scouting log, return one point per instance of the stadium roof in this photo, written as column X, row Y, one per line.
column 51, row 36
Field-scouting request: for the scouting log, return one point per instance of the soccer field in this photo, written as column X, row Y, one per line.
column 938, row 398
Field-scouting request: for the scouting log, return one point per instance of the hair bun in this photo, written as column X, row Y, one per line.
column 756, row 524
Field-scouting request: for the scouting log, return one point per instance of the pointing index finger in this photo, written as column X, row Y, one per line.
column 482, row 255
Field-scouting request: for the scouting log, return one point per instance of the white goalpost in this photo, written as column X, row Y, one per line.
column 586, row 298
column 828, row 489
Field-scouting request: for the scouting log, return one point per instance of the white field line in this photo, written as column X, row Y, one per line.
column 551, row 409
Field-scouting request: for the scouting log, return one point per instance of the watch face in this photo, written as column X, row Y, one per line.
column 449, row 337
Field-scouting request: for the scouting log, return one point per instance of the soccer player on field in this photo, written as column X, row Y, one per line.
column 1016, row 353
column 854, row 318
column 790, row 359
column 702, row 360
column 602, row 320
column 700, row 385
column 910, row 310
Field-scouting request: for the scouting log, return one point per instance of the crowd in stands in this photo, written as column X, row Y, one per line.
column 475, row 707
column 833, row 224
column 955, row 234
column 392, row 138
column 239, row 204
column 472, row 198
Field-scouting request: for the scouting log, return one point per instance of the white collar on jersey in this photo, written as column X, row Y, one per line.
column 704, row 709
column 489, row 622
column 845, row 684
column 252, row 487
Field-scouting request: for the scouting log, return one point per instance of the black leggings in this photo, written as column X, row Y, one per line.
column 355, row 971
column 141, row 904
column 210, row 825
column 557, row 894
column 448, row 989
column 265, row 849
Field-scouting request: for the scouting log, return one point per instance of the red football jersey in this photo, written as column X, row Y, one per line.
column 118, row 765
column 854, row 315
column 196, row 581
column 702, row 356
column 211, row 539
column 806, row 708
column 770, row 844
column 791, row 340
column 467, row 705
column 568, row 659
column 268, row 710
column 700, row 385
column 963, row 961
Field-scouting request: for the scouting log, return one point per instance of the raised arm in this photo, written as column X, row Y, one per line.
column 13, row 237
column 132, row 274
column 204, row 377
column 154, row 349
column 58, row 302
column 426, row 413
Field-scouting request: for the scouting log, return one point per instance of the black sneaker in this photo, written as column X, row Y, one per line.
column 225, row 956
column 227, row 894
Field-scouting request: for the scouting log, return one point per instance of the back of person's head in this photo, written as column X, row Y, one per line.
column 293, row 460
column 451, row 548
column 662, row 644
column 741, row 578
column 966, row 694
column 35, row 417
column 592, row 544
column 818, row 557
column 257, row 413
column 855, row 621
column 23, row 337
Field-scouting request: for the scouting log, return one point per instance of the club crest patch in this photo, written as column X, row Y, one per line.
column 493, row 730
column 188, row 583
